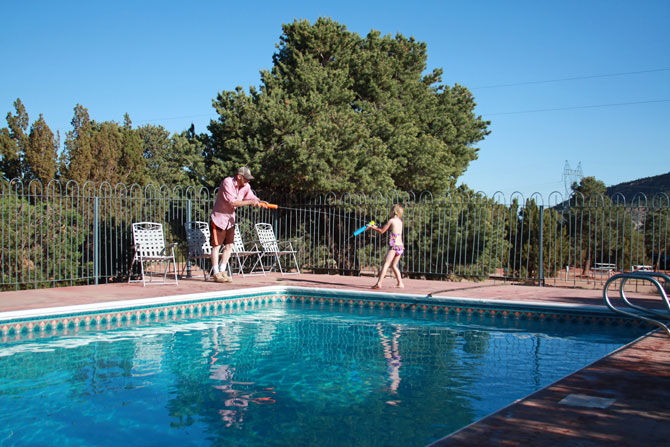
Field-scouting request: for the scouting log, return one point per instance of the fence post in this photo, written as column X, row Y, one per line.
column 96, row 239
column 541, row 242
column 188, row 219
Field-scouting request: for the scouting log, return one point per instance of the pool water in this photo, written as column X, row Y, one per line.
column 284, row 375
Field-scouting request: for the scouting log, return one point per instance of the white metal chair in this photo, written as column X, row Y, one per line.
column 199, row 248
column 241, row 254
column 272, row 248
column 149, row 243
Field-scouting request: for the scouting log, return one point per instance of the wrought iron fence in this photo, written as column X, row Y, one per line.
column 67, row 234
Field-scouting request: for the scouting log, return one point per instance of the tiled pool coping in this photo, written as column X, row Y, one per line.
column 49, row 321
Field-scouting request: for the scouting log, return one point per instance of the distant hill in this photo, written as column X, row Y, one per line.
column 648, row 186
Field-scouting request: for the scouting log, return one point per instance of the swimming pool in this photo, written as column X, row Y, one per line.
column 284, row 370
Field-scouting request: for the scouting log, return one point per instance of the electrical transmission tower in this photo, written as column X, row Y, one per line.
column 571, row 176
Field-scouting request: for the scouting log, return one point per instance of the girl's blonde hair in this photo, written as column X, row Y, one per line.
column 397, row 210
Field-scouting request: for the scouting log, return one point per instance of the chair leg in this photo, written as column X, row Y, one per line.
column 240, row 264
column 167, row 268
column 144, row 283
column 187, row 266
column 202, row 264
column 166, row 264
column 130, row 272
column 297, row 267
column 184, row 267
column 278, row 261
column 258, row 261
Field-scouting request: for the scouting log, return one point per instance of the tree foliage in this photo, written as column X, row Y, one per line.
column 338, row 112
column 132, row 165
column 100, row 152
column 27, row 154
column 13, row 141
column 555, row 241
column 46, row 248
column 41, row 152
column 78, row 153
column 606, row 231
column 589, row 187
column 173, row 160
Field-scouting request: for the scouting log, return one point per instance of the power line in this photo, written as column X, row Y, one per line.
column 575, row 78
column 578, row 107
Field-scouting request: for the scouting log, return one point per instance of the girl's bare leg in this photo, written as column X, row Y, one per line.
column 396, row 271
column 385, row 268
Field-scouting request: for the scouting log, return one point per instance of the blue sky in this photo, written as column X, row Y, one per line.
column 582, row 81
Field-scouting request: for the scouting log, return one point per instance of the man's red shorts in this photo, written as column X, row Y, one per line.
column 221, row 237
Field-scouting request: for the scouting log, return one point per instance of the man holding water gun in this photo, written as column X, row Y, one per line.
column 234, row 192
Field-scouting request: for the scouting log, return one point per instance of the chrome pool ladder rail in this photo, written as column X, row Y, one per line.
column 649, row 315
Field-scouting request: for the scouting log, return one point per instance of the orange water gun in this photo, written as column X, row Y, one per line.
column 264, row 204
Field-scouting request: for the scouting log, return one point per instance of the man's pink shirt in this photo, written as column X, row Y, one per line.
column 223, row 214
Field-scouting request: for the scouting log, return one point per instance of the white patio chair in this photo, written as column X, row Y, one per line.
column 149, row 244
column 241, row 254
column 199, row 247
column 274, row 249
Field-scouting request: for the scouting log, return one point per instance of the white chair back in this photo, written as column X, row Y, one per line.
column 149, row 244
column 266, row 237
column 197, row 238
column 274, row 249
column 238, row 246
column 148, row 238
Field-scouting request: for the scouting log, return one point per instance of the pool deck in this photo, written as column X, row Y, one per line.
column 621, row 400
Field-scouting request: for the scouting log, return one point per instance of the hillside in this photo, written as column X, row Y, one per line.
column 648, row 186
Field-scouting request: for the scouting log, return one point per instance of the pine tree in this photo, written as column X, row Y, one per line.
column 13, row 142
column 340, row 113
column 132, row 165
column 41, row 152
column 78, row 156
column 188, row 161
column 175, row 160
column 156, row 147
column 106, row 150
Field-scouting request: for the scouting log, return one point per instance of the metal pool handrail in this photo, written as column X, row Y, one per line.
column 645, row 276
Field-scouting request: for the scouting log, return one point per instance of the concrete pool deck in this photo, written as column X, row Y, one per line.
column 622, row 399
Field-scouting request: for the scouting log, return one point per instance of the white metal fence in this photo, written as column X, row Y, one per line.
column 66, row 234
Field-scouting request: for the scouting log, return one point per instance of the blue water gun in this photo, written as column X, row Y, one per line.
column 363, row 228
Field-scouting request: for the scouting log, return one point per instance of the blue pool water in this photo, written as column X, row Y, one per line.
column 284, row 375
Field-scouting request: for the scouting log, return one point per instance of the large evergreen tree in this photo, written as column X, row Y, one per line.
column 589, row 187
column 338, row 112
column 132, row 165
column 41, row 152
column 103, row 152
column 13, row 142
column 175, row 160
column 77, row 159
column 106, row 150
column 27, row 155
column 188, row 161
column 156, row 149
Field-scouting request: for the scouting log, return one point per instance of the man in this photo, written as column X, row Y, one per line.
column 234, row 192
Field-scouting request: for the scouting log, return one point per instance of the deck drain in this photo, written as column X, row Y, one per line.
column 582, row 400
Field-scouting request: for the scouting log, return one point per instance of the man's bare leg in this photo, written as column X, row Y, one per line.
column 225, row 257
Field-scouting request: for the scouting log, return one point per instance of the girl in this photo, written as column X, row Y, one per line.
column 396, row 248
